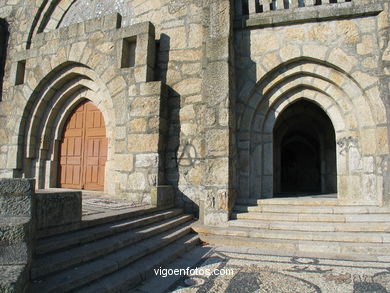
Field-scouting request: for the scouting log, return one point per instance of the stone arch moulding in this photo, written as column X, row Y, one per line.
column 51, row 14
column 357, row 116
column 46, row 112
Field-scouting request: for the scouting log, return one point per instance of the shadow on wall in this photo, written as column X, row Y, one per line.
column 4, row 36
column 246, row 73
column 172, row 161
column 162, row 58
column 172, row 142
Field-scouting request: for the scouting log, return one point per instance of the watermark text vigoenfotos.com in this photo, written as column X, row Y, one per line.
column 193, row 272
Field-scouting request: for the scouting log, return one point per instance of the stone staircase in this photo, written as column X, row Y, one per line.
column 112, row 255
column 305, row 225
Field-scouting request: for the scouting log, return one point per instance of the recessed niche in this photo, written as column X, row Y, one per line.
column 20, row 72
column 128, row 52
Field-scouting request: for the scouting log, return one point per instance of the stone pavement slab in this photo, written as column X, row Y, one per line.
column 253, row 270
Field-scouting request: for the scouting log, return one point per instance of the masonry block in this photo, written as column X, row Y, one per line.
column 58, row 208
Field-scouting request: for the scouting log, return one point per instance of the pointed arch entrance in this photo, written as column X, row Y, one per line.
column 304, row 151
column 83, row 149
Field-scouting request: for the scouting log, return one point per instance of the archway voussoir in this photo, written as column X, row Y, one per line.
column 337, row 119
column 342, row 60
column 364, row 80
column 377, row 106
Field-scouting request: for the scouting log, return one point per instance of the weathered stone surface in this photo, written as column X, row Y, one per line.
column 136, row 181
column 349, row 30
column 187, row 112
column 15, row 254
column 217, row 170
column 188, row 86
column 16, row 197
column 142, row 143
column 17, row 232
column 138, row 125
column 145, row 107
column 13, row 278
column 259, row 46
column 146, row 160
column 367, row 45
column 57, row 208
column 124, row 162
column 217, row 142
column 14, row 230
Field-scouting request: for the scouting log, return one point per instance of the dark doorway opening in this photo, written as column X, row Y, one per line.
column 304, row 151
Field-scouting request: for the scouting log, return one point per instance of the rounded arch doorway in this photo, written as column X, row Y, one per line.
column 83, row 149
column 304, row 151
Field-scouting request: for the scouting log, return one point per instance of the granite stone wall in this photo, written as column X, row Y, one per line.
column 334, row 56
column 153, row 111
column 17, row 232
column 197, row 109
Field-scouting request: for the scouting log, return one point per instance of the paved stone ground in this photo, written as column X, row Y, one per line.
column 259, row 271
column 97, row 203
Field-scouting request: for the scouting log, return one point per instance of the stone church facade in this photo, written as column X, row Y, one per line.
column 213, row 99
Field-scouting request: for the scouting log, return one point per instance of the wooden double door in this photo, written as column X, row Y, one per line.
column 83, row 149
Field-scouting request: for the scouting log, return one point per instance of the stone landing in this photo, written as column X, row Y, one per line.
column 305, row 225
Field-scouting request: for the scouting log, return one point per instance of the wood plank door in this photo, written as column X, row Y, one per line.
column 96, row 148
column 83, row 149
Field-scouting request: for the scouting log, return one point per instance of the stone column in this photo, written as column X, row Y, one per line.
column 218, row 95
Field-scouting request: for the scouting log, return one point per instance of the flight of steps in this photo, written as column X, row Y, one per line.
column 305, row 225
column 111, row 257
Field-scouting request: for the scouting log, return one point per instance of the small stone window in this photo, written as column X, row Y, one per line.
column 20, row 72
column 128, row 52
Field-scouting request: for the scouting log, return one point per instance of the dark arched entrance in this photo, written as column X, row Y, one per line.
column 304, row 151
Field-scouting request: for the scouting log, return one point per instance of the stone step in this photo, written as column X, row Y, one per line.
column 76, row 277
column 354, row 237
column 303, row 209
column 338, row 250
column 132, row 275
column 295, row 217
column 306, row 200
column 313, row 226
column 94, row 220
column 48, row 264
column 69, row 240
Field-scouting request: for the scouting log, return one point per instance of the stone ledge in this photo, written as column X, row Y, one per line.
column 16, row 187
column 308, row 14
column 57, row 208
